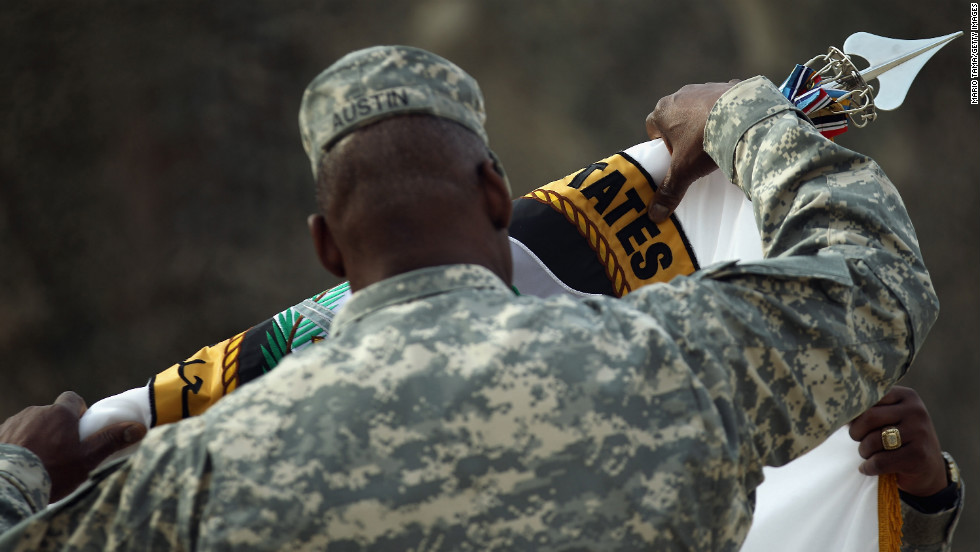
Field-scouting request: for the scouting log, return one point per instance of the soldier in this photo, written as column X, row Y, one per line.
column 452, row 414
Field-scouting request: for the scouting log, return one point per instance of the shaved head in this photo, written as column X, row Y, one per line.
column 410, row 191
column 398, row 162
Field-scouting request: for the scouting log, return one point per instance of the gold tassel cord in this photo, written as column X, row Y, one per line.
column 889, row 514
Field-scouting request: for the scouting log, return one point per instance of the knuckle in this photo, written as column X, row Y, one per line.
column 915, row 401
column 60, row 409
column 662, row 107
column 68, row 396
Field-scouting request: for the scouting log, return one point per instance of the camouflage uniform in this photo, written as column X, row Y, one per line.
column 448, row 414
column 930, row 532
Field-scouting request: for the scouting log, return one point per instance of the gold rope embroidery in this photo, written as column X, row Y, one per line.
column 229, row 371
column 590, row 232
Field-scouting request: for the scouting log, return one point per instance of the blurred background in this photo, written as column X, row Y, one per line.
column 153, row 188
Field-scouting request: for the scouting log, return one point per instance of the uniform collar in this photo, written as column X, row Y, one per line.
column 414, row 285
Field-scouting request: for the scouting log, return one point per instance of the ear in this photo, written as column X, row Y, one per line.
column 496, row 194
column 326, row 247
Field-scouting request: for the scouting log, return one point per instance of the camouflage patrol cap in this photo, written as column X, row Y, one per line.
column 368, row 85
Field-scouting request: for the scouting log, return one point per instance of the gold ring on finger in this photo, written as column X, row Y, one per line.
column 891, row 439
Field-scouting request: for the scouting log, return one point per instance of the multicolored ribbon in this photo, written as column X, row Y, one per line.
column 824, row 106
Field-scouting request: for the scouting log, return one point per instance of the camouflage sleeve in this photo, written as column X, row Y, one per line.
column 24, row 485
column 813, row 196
column 922, row 532
column 802, row 341
column 88, row 519
column 122, row 504
column 825, row 205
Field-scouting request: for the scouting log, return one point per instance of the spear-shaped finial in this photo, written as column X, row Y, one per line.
column 833, row 92
column 894, row 62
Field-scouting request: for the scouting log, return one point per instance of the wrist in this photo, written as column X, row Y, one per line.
column 738, row 109
column 932, row 504
column 945, row 499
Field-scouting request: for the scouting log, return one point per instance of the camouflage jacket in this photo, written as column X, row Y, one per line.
column 446, row 413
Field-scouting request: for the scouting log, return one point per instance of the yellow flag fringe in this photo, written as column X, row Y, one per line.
column 889, row 514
